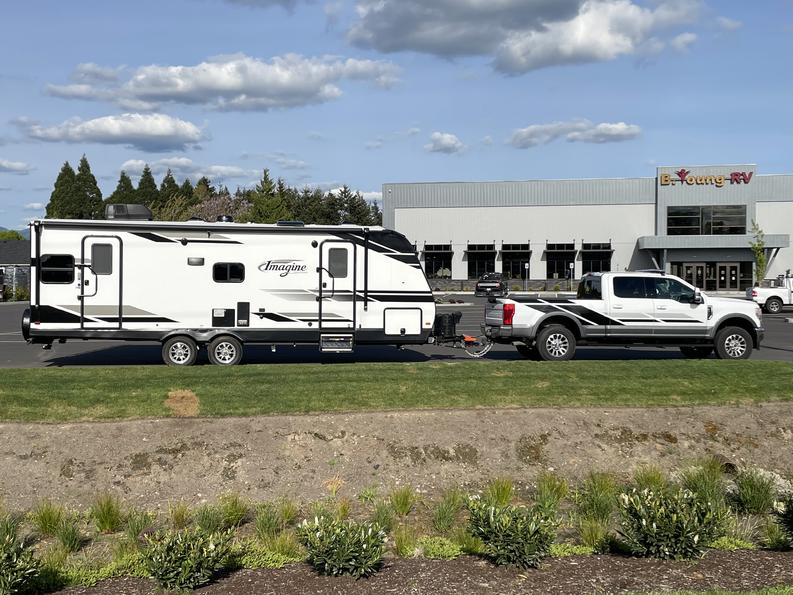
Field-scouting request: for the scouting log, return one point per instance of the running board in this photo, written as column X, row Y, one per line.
column 336, row 343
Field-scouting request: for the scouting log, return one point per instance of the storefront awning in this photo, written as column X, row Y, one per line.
column 778, row 240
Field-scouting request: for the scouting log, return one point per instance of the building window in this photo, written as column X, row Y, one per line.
column 337, row 263
column 438, row 261
column 596, row 257
column 558, row 258
column 57, row 268
column 706, row 220
column 228, row 272
column 481, row 259
column 514, row 258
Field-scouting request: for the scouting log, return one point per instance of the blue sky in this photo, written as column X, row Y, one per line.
column 362, row 92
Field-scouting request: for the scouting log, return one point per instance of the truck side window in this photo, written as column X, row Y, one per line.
column 589, row 289
column 228, row 272
column 57, row 268
column 629, row 287
column 337, row 262
column 669, row 289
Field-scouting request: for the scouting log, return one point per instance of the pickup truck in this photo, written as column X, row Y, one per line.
column 771, row 299
column 631, row 308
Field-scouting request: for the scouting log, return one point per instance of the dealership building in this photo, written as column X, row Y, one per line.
column 693, row 221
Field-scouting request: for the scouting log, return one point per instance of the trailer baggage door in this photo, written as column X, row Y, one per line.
column 100, row 275
column 337, row 285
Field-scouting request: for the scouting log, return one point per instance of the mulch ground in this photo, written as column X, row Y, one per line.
column 729, row 571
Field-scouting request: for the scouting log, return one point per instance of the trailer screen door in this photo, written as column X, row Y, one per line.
column 100, row 282
column 337, row 285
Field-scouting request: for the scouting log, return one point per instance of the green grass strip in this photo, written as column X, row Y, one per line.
column 91, row 393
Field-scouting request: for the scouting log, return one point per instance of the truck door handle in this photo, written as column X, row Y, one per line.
column 662, row 307
column 617, row 307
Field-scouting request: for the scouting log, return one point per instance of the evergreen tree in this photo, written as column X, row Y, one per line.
column 147, row 193
column 356, row 209
column 62, row 197
column 375, row 214
column 308, row 205
column 269, row 205
column 186, row 190
column 10, row 234
column 88, row 197
column 124, row 192
column 203, row 190
column 331, row 209
column 168, row 187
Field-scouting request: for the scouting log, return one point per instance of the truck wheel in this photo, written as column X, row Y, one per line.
column 179, row 351
column 225, row 351
column 555, row 343
column 733, row 342
column 526, row 351
column 696, row 352
column 773, row 305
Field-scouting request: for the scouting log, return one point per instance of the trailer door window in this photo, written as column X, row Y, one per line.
column 228, row 272
column 102, row 259
column 337, row 262
column 57, row 268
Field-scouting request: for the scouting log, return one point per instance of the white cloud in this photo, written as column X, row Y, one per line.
column 375, row 144
column 287, row 4
column 183, row 167
column 285, row 161
column 332, row 12
column 487, row 140
column 373, row 196
column 15, row 167
column 521, row 35
column 90, row 72
column 444, row 142
column 236, row 82
column 34, row 206
column 573, row 131
column 413, row 131
column 148, row 132
column 682, row 41
column 728, row 24
column 314, row 135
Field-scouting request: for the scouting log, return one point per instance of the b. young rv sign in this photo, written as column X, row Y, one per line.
column 685, row 177
column 283, row 267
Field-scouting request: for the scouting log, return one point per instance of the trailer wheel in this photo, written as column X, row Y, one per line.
column 527, row 351
column 225, row 351
column 179, row 351
column 696, row 352
column 555, row 343
column 773, row 305
column 733, row 342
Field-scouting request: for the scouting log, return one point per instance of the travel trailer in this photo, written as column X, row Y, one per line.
column 222, row 285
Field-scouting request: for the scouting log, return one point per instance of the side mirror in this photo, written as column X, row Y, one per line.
column 697, row 299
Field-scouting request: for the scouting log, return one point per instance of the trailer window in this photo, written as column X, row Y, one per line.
column 102, row 259
column 57, row 268
column 228, row 272
column 337, row 262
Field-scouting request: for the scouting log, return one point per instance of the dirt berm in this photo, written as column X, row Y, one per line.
column 149, row 462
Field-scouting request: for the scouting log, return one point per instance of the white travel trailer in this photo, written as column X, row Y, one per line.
column 223, row 285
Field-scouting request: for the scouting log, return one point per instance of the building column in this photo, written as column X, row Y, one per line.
column 459, row 266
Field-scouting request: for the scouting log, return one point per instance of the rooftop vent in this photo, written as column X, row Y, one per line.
column 225, row 219
column 290, row 223
column 128, row 212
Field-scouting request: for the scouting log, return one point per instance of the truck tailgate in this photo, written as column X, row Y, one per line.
column 494, row 314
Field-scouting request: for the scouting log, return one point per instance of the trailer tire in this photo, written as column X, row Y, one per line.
column 555, row 343
column 733, row 342
column 696, row 351
column 225, row 351
column 773, row 305
column 179, row 351
column 527, row 351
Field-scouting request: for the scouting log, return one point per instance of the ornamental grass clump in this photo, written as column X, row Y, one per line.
column 445, row 512
column 46, row 517
column 513, row 535
column 337, row 547
column 669, row 525
column 551, row 490
column 106, row 513
column 185, row 559
column 754, row 492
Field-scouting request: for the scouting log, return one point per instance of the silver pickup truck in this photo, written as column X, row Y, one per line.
column 632, row 308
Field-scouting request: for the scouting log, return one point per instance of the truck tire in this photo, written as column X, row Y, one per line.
column 733, row 342
column 225, row 351
column 696, row 352
column 179, row 351
column 527, row 351
column 555, row 343
column 773, row 305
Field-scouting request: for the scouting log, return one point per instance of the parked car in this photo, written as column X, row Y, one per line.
column 491, row 284
column 771, row 299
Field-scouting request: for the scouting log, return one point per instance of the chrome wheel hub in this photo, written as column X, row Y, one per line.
column 225, row 353
column 557, row 345
column 179, row 352
column 735, row 346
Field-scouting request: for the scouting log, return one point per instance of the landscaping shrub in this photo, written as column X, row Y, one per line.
column 343, row 547
column 512, row 535
column 468, row 543
column 368, row 495
column 650, row 477
column 18, row 568
column 267, row 521
column 439, row 548
column 783, row 511
column 754, row 492
column 254, row 555
column 383, row 515
column 9, row 525
column 551, row 490
column 444, row 515
column 233, row 510
column 46, row 518
column 773, row 536
column 106, row 512
column 499, row 491
column 136, row 523
column 185, row 559
column 675, row 525
column 597, row 497
column 69, row 535
column 403, row 499
column 706, row 482
column 179, row 515
column 595, row 534
column 343, row 506
column 405, row 541
column 209, row 519
column 563, row 550
column 288, row 511
column 731, row 544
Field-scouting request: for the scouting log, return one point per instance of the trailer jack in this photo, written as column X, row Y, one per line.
column 444, row 333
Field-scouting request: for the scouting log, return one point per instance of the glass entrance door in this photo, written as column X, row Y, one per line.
column 727, row 277
column 694, row 273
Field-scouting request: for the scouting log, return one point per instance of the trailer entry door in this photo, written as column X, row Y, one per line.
column 100, row 275
column 337, row 285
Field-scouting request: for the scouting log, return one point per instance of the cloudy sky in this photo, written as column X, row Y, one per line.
column 363, row 92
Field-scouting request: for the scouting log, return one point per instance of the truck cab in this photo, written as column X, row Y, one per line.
column 630, row 308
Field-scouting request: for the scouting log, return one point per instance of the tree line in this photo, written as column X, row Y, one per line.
column 76, row 195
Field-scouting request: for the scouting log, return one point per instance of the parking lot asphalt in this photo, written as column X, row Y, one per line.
column 16, row 353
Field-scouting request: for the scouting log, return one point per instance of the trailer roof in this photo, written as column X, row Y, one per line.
column 199, row 225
